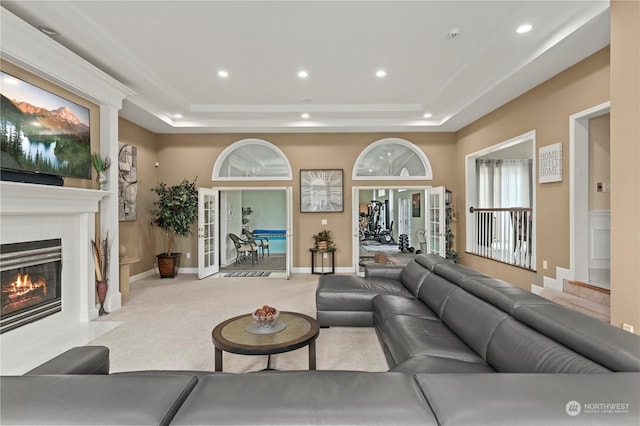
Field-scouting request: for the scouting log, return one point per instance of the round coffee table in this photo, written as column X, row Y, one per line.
column 231, row 336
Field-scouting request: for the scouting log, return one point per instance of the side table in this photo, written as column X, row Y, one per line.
column 315, row 251
column 125, row 262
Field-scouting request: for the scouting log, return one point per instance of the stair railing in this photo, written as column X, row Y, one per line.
column 503, row 234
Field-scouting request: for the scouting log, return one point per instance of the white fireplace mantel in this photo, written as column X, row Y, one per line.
column 30, row 212
column 25, row 198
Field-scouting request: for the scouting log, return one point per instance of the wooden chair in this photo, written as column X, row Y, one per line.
column 262, row 242
column 244, row 248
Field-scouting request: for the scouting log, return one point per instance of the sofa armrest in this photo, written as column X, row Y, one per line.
column 78, row 360
column 533, row 399
column 391, row 272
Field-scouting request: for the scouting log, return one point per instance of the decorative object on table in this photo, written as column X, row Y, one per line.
column 175, row 211
column 265, row 321
column 101, row 249
column 321, row 190
column 266, row 316
column 127, row 182
column 101, row 165
column 323, row 239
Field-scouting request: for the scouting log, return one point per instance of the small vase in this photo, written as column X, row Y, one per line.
column 102, row 180
column 102, row 287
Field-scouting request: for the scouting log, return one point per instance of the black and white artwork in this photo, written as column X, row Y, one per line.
column 321, row 190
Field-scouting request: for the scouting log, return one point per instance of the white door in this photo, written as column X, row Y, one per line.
column 289, row 232
column 208, row 262
column 435, row 220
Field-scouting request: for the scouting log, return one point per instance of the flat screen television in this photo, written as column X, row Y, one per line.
column 42, row 132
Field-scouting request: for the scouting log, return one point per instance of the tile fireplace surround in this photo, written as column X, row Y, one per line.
column 38, row 212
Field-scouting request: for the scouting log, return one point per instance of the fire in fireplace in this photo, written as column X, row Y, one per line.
column 30, row 277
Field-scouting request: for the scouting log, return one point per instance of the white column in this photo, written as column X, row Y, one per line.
column 109, row 204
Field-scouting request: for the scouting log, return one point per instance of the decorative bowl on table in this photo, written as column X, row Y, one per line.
column 266, row 317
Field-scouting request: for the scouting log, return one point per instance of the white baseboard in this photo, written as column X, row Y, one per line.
column 143, row 275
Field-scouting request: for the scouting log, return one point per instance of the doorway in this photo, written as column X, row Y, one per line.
column 266, row 213
column 589, row 197
column 390, row 221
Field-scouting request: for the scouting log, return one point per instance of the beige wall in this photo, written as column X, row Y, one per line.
column 188, row 156
column 625, row 158
column 138, row 236
column 545, row 109
column 599, row 162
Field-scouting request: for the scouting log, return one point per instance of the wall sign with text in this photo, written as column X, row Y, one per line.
column 550, row 163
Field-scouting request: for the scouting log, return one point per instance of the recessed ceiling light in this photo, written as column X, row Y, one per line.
column 303, row 74
column 525, row 28
column 381, row 73
column 49, row 31
column 428, row 115
column 223, row 74
column 177, row 115
column 304, row 115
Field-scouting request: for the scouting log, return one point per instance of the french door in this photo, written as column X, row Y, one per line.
column 208, row 263
column 435, row 220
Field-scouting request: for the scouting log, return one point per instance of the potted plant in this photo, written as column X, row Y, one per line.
column 101, row 165
column 323, row 239
column 246, row 212
column 175, row 211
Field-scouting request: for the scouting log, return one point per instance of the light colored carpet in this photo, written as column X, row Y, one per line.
column 167, row 324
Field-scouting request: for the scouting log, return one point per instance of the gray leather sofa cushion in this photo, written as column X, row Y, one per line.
column 429, row 261
column 435, row 292
column 456, row 273
column 408, row 336
column 472, row 319
column 413, row 276
column 351, row 293
column 386, row 305
column 437, row 365
column 383, row 270
column 515, row 348
column 92, row 399
column 609, row 346
column 306, row 398
column 501, row 294
column 78, row 360
column 344, row 318
column 532, row 399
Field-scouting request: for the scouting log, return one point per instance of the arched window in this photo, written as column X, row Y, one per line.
column 252, row 159
column 392, row 159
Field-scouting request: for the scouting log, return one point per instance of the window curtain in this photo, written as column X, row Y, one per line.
column 504, row 183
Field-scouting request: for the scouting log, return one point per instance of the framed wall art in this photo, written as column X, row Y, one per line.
column 321, row 190
column 127, row 182
column 550, row 163
column 415, row 205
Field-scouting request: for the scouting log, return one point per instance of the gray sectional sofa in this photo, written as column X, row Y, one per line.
column 464, row 349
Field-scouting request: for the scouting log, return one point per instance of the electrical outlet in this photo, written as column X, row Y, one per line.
column 188, row 255
column 627, row 327
column 544, row 264
column 324, row 221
